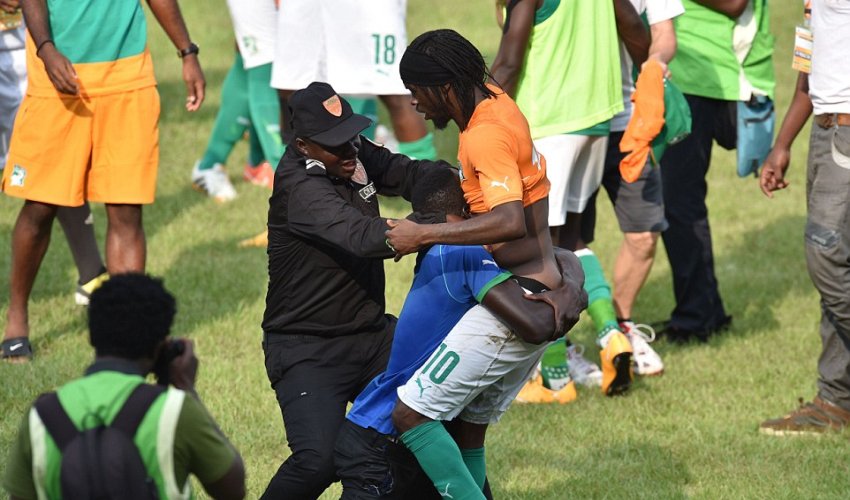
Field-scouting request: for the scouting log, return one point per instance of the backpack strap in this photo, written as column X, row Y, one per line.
column 55, row 419
column 136, row 407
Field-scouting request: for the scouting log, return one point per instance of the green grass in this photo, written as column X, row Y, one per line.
column 688, row 434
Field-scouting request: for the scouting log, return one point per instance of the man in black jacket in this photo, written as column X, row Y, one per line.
column 326, row 334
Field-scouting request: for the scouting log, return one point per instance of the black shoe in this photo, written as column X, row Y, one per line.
column 678, row 335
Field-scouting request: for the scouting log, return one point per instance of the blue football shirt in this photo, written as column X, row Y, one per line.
column 450, row 280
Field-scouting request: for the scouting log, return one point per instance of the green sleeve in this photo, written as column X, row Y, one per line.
column 18, row 481
column 200, row 448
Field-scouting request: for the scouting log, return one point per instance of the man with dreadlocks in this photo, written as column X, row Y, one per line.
column 504, row 182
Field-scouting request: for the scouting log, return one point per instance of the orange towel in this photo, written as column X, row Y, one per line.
column 646, row 121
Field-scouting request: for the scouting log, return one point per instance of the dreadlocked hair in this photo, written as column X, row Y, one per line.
column 459, row 57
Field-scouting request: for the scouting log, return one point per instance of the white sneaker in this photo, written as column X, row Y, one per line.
column 582, row 371
column 645, row 360
column 214, row 182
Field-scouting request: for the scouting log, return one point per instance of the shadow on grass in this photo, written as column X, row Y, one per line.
column 757, row 274
column 633, row 468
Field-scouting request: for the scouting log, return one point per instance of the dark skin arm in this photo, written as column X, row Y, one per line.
column 506, row 222
column 167, row 13
column 58, row 67
column 515, row 35
column 531, row 316
column 631, row 31
column 772, row 176
column 731, row 8
column 9, row 6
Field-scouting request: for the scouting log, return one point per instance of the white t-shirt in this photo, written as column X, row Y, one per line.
column 255, row 24
column 656, row 12
column 829, row 83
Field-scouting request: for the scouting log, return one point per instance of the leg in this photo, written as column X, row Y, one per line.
column 77, row 224
column 30, row 240
column 232, row 119
column 699, row 308
column 634, row 261
column 125, row 239
column 263, row 105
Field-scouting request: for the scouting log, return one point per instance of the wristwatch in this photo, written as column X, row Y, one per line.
column 191, row 49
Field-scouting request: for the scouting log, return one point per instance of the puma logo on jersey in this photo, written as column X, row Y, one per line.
column 484, row 262
column 503, row 184
column 535, row 158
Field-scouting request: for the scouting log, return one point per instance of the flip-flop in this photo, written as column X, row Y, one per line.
column 16, row 350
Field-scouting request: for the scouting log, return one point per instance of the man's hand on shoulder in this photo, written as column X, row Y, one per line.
column 59, row 69
column 183, row 369
column 404, row 237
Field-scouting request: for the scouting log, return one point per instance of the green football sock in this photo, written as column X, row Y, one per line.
column 599, row 299
column 232, row 120
column 474, row 459
column 553, row 365
column 440, row 458
column 368, row 107
column 420, row 149
column 264, row 107
column 255, row 150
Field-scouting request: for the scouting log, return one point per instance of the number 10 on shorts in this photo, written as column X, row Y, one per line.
column 384, row 48
column 441, row 364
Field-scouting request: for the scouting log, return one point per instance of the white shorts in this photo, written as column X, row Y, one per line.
column 475, row 373
column 13, row 85
column 574, row 166
column 254, row 22
column 354, row 45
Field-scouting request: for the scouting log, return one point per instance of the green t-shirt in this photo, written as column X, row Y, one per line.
column 198, row 447
column 570, row 78
column 92, row 31
column 706, row 63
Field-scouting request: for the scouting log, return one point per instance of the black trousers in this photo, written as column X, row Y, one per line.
column 314, row 379
column 372, row 465
column 688, row 238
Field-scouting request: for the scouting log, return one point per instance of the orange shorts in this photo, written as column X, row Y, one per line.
column 70, row 150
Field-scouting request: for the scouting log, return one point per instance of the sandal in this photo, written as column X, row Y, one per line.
column 17, row 350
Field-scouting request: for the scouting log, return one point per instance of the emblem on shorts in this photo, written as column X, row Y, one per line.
column 333, row 105
column 368, row 191
column 19, row 174
column 422, row 387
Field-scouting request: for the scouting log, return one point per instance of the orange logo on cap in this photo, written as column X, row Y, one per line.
column 333, row 105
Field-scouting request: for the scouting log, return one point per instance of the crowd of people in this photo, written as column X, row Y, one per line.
column 625, row 95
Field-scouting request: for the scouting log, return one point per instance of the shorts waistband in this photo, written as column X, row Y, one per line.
column 830, row 120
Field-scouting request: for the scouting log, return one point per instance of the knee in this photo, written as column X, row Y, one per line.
column 124, row 217
column 642, row 245
column 317, row 464
column 37, row 217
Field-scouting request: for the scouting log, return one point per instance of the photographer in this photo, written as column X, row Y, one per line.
column 129, row 320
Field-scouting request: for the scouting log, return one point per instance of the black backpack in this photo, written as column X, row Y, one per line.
column 102, row 463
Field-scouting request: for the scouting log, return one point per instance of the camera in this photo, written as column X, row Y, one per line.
column 161, row 370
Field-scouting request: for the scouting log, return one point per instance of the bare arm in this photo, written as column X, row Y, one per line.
column 515, row 34
column 167, row 13
column 546, row 316
column 663, row 45
column 631, row 31
column 731, row 8
column 59, row 69
column 772, row 176
column 505, row 222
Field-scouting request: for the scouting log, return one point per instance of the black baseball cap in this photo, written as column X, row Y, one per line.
column 322, row 116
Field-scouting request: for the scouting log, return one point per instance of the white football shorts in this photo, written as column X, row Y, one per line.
column 574, row 165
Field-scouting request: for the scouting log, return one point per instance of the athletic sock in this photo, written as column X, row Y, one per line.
column 441, row 459
column 255, row 150
column 264, row 110
column 599, row 299
column 420, row 149
column 553, row 366
column 78, row 226
column 232, row 120
column 368, row 107
column 474, row 459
